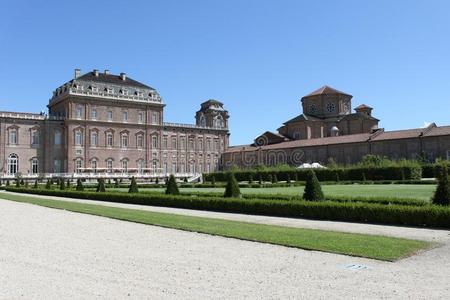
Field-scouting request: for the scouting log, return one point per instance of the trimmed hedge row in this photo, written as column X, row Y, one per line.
column 429, row 170
column 429, row 215
column 412, row 172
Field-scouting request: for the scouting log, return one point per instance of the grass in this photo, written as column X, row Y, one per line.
column 363, row 245
column 404, row 191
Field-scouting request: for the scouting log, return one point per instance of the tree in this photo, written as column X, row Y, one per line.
column 80, row 186
column 232, row 188
column 288, row 178
column 116, row 183
column 133, row 186
column 250, row 179
column 157, row 180
column 172, row 187
column 62, row 186
column 22, row 182
column 101, row 186
column 313, row 190
column 26, row 183
column 7, row 182
column 48, row 185
column 35, row 184
column 274, row 178
column 17, row 183
column 260, row 178
column 213, row 181
column 442, row 194
column 68, row 183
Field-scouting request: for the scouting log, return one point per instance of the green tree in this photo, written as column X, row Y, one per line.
column 26, row 183
column 442, row 194
column 313, row 190
column 101, row 186
column 22, row 182
column 133, row 186
column 116, row 183
column 48, row 185
column 68, row 183
column 157, row 180
column 80, row 186
column 17, row 183
column 172, row 187
column 7, row 182
column 36, row 184
column 62, row 186
column 232, row 188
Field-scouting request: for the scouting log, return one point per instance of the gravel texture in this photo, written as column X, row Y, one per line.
column 54, row 254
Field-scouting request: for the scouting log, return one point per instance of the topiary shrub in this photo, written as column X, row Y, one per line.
column 62, row 186
column 288, row 178
column 260, row 178
column 274, row 178
column 172, row 187
column 313, row 190
column 48, row 185
column 68, row 183
column 232, row 188
column 35, row 184
column 26, row 183
column 116, row 183
column 7, row 182
column 213, row 181
column 269, row 178
column 133, row 186
column 80, row 186
column 157, row 180
column 17, row 183
column 101, row 186
column 442, row 194
column 250, row 179
column 22, row 182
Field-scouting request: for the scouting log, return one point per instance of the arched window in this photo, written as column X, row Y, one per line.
column 218, row 121
column 202, row 121
column 78, row 165
column 13, row 164
column 154, row 142
column 109, row 165
column 125, row 166
column 34, row 166
column 124, row 140
column 141, row 166
column 57, row 137
column 140, row 141
column 109, row 140
column 78, row 138
column 94, row 166
column 94, row 139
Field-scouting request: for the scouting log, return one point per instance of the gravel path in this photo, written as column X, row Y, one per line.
column 48, row 253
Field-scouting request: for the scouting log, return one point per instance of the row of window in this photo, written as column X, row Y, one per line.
column 12, row 164
column 110, row 90
column 125, row 141
column 110, row 115
column 13, row 136
column 125, row 168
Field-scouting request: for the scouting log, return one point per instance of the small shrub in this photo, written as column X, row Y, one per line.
column 250, row 179
column 442, row 193
column 116, row 183
column 172, row 187
column 36, row 184
column 7, row 183
column 260, row 178
column 17, row 183
column 157, row 180
column 288, row 178
column 313, row 190
column 213, row 181
column 133, row 186
column 22, row 182
column 26, row 183
column 101, row 186
column 232, row 189
column 80, row 186
column 68, row 183
column 48, row 185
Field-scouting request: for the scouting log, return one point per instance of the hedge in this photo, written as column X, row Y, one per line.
column 411, row 172
column 428, row 215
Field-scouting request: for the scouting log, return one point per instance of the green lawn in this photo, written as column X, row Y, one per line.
column 413, row 191
column 370, row 246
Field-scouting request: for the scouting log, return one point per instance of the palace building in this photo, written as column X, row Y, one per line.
column 101, row 124
column 328, row 130
column 104, row 125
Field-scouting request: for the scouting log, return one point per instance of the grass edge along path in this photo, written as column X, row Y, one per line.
column 353, row 244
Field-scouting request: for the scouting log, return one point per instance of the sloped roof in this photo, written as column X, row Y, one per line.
column 112, row 79
column 399, row 134
column 302, row 117
column 436, row 131
column 326, row 90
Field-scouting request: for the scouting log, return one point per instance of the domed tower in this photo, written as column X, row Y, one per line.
column 327, row 102
column 212, row 114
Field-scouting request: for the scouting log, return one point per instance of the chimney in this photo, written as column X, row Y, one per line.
column 77, row 73
column 106, row 72
column 123, row 76
column 96, row 73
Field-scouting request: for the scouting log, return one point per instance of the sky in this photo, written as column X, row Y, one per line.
column 257, row 57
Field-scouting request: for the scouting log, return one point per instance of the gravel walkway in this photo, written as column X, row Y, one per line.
column 48, row 253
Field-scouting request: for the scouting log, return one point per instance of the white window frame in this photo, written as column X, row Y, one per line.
column 109, row 165
column 109, row 137
column 34, row 166
column 94, row 113
column 124, row 140
column 12, row 164
column 109, row 115
column 78, row 112
column 140, row 141
column 57, row 137
column 140, row 117
column 78, row 165
column 94, row 166
column 94, row 139
column 78, row 138
column 154, row 142
column 125, row 116
column 13, row 136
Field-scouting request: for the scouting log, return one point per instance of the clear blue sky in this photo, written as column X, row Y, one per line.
column 258, row 57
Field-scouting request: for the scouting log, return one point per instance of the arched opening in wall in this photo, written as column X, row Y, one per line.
column 13, row 164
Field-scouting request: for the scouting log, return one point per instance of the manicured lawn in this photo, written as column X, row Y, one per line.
column 371, row 246
column 413, row 191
